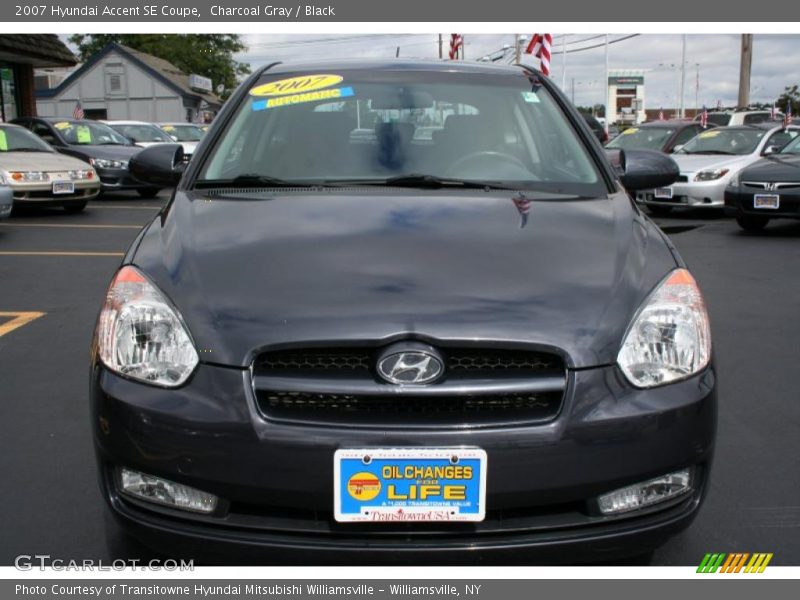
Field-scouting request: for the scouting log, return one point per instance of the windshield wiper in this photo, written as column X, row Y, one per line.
column 712, row 152
column 28, row 150
column 251, row 180
column 423, row 181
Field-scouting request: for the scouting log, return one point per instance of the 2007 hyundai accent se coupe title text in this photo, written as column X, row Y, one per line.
column 403, row 307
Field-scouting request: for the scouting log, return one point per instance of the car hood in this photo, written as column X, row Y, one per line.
column 691, row 163
column 110, row 152
column 38, row 161
column 329, row 268
column 776, row 168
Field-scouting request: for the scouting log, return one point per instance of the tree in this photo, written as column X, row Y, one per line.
column 210, row 55
column 790, row 95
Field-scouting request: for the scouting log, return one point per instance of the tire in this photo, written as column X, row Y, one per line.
column 148, row 192
column 74, row 207
column 658, row 211
column 752, row 222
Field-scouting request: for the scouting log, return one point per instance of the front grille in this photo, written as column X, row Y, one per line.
column 682, row 179
column 410, row 410
column 460, row 362
column 339, row 386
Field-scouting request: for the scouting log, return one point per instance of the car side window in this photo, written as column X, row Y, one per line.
column 685, row 135
column 44, row 132
column 780, row 138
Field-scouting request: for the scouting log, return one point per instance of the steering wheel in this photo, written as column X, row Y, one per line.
column 484, row 155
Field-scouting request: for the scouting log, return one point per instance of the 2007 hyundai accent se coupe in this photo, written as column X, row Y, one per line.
column 403, row 307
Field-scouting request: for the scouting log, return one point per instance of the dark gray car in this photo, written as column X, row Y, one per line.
column 338, row 347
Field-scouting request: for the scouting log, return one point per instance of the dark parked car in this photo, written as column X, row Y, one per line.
column 339, row 348
column 664, row 136
column 768, row 189
column 597, row 128
column 95, row 143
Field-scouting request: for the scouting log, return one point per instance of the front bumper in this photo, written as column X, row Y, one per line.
column 740, row 202
column 41, row 194
column 276, row 480
column 694, row 194
column 119, row 179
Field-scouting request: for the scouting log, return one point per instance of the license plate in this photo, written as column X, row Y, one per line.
column 766, row 201
column 663, row 193
column 63, row 187
column 409, row 484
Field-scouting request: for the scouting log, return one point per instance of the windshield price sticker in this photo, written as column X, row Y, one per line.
column 709, row 134
column 410, row 484
column 296, row 85
column 630, row 131
column 63, row 125
column 334, row 94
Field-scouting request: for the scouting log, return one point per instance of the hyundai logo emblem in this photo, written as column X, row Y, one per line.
column 410, row 364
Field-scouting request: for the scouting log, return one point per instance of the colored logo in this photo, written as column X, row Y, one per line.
column 737, row 562
column 363, row 486
column 296, row 85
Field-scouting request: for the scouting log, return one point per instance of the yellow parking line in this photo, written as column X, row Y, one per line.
column 20, row 319
column 69, row 225
column 23, row 253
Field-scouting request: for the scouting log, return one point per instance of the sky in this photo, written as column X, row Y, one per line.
column 774, row 67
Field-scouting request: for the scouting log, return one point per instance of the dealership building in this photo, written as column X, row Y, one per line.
column 121, row 83
column 626, row 96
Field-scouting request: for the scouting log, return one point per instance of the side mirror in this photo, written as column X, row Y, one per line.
column 677, row 147
column 771, row 150
column 159, row 166
column 643, row 169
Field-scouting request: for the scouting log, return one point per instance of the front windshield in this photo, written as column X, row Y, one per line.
column 142, row 133
column 16, row 139
column 184, row 133
column 89, row 132
column 725, row 140
column 636, row 138
column 374, row 126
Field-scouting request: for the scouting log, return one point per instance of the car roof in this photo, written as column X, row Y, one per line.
column 667, row 123
column 7, row 124
column 400, row 64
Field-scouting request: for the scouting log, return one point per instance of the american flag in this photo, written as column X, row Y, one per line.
column 787, row 118
column 704, row 117
column 540, row 46
column 660, row 114
column 77, row 112
column 456, row 43
column 523, row 208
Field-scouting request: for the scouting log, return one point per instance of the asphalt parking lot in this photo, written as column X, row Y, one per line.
column 54, row 269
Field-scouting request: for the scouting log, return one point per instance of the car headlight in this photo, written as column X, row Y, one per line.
column 711, row 175
column 82, row 174
column 107, row 163
column 28, row 176
column 670, row 338
column 141, row 335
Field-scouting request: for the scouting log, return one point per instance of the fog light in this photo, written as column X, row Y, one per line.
column 165, row 492
column 646, row 493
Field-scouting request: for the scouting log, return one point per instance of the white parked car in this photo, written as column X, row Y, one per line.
column 710, row 160
column 727, row 118
column 141, row 133
column 187, row 135
column 38, row 175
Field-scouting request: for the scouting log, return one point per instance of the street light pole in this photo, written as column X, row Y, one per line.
column 606, row 114
column 683, row 75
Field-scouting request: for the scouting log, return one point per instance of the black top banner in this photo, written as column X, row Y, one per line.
column 399, row 11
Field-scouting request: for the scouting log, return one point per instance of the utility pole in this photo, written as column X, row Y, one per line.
column 744, row 69
column 463, row 48
column 606, row 115
column 564, row 63
column 573, row 90
column 516, row 48
column 697, row 89
column 682, row 112
column 440, row 47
